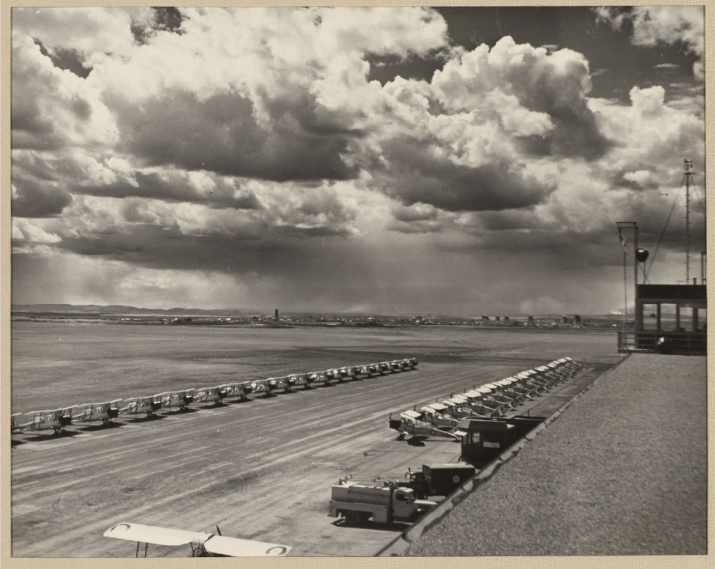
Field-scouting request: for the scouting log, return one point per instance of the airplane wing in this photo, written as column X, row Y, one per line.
column 216, row 544
column 235, row 547
column 154, row 535
column 410, row 414
column 82, row 412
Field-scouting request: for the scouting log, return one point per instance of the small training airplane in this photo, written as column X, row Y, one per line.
column 181, row 399
column 56, row 420
column 500, row 393
column 497, row 392
column 366, row 370
column 135, row 405
column 482, row 403
column 332, row 374
column 300, row 379
column 459, row 408
column 572, row 365
column 413, row 423
column 283, row 383
column 511, row 388
column 438, row 415
column 239, row 389
column 215, row 394
column 563, row 367
column 354, row 371
column 104, row 412
column 317, row 377
column 532, row 377
column 553, row 371
column 202, row 544
column 526, row 379
column 491, row 396
column 265, row 386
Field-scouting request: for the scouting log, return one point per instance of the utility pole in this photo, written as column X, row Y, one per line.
column 688, row 174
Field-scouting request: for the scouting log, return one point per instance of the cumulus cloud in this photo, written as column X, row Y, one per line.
column 252, row 143
column 486, row 132
column 550, row 89
column 52, row 107
column 96, row 33
column 668, row 24
column 652, row 136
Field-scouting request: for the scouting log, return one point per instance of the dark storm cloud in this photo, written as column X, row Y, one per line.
column 174, row 189
column 221, row 134
column 43, row 102
column 69, row 59
column 252, row 248
column 417, row 174
column 558, row 249
column 166, row 19
column 505, row 220
column 161, row 247
column 35, row 198
column 560, row 93
column 30, row 129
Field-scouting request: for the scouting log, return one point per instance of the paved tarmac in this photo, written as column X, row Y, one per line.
column 622, row 471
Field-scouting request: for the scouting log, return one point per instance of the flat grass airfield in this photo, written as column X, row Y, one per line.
column 259, row 469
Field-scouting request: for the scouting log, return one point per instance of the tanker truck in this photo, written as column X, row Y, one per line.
column 382, row 501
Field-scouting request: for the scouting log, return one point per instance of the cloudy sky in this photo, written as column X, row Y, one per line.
column 390, row 160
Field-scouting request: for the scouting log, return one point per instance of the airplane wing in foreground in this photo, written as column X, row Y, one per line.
column 235, row 547
column 154, row 535
column 211, row 543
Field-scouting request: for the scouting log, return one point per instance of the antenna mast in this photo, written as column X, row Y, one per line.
column 688, row 174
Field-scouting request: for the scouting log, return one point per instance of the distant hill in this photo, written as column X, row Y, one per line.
column 86, row 309
column 95, row 310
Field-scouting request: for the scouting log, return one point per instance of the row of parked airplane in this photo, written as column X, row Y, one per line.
column 58, row 419
column 441, row 419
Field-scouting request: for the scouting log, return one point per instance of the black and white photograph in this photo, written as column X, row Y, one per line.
column 355, row 281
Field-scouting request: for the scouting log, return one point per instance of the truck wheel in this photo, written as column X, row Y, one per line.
column 353, row 518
